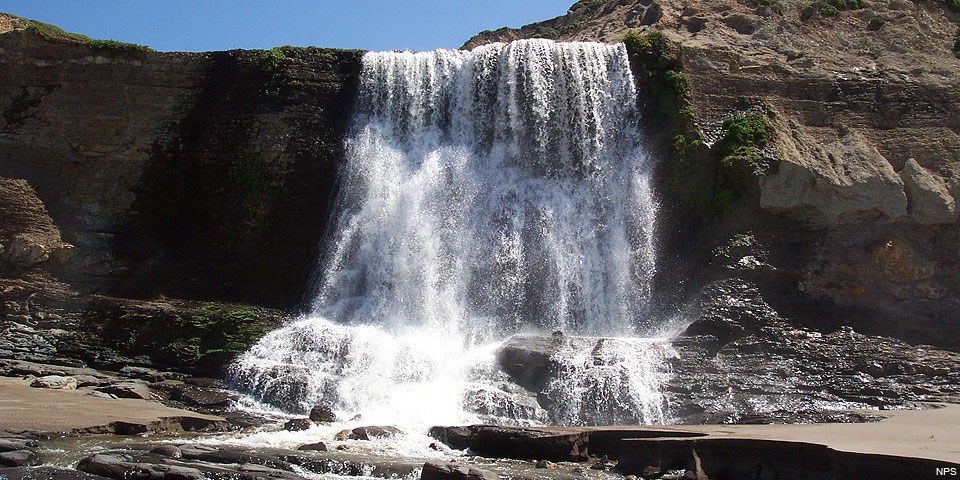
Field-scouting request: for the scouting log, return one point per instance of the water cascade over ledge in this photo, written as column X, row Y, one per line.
column 485, row 194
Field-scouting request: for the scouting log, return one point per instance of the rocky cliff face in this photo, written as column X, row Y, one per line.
column 850, row 215
column 167, row 173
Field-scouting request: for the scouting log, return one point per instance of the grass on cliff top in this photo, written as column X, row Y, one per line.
column 56, row 33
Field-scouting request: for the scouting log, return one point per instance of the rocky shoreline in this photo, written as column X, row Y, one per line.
column 714, row 380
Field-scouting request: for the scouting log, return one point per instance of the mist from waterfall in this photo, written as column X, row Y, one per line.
column 485, row 193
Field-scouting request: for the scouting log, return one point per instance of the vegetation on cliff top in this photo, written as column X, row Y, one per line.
column 56, row 33
column 708, row 179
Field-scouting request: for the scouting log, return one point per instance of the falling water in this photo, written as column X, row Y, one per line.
column 485, row 193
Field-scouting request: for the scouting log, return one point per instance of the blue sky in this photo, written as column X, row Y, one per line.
column 199, row 25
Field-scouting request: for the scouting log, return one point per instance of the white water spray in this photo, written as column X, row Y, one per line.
column 485, row 193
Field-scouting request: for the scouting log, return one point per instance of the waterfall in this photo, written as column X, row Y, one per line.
column 484, row 194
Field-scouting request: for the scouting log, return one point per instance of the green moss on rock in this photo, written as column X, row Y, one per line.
column 200, row 337
column 744, row 137
column 656, row 60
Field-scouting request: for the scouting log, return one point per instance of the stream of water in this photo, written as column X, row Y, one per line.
column 487, row 193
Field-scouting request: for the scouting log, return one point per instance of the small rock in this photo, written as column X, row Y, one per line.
column 322, row 413
column 297, row 424
column 19, row 458
column 367, row 433
column 313, row 447
column 342, row 435
column 171, row 451
column 56, row 382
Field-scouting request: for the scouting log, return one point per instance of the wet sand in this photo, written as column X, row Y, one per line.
column 23, row 408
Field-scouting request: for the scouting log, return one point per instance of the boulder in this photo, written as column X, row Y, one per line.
column 13, row 444
column 197, row 396
column 450, row 471
column 929, row 199
column 526, row 359
column 371, row 432
column 313, row 447
column 836, row 183
column 297, row 424
column 19, row 458
column 55, row 382
column 322, row 413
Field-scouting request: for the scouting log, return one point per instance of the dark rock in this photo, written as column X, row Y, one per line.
column 128, row 390
column 731, row 309
column 322, row 413
column 13, row 444
column 195, row 396
column 527, row 360
column 450, row 471
column 125, row 467
column 45, row 473
column 19, row 458
column 516, row 442
column 297, row 424
column 127, row 428
column 371, row 432
column 316, row 447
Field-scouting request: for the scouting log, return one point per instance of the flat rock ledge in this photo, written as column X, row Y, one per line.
column 911, row 444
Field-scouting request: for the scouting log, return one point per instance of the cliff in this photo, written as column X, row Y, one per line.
column 170, row 173
column 132, row 174
column 846, row 214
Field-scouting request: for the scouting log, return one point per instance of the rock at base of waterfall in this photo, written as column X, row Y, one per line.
column 515, row 442
column 322, row 413
column 131, row 389
column 19, row 458
column 297, row 424
column 371, row 432
column 313, row 447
